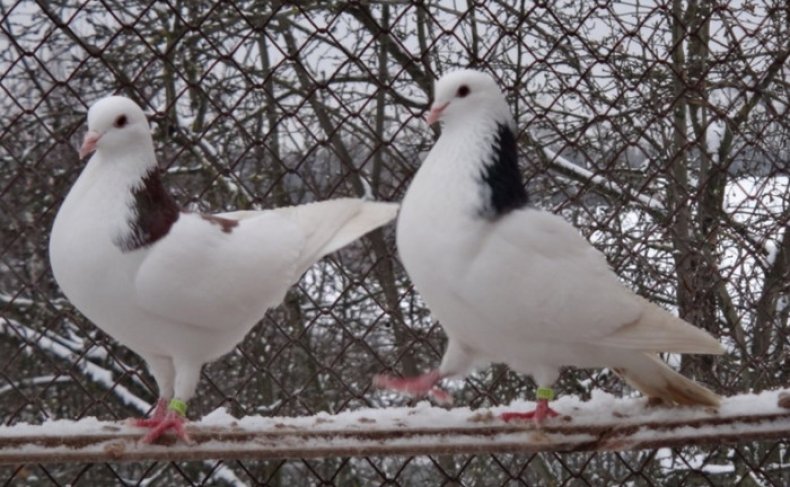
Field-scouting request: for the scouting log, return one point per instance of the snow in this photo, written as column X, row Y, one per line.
column 605, row 422
column 713, row 135
column 758, row 204
column 43, row 379
column 697, row 463
column 602, row 409
column 367, row 189
column 599, row 410
column 57, row 346
column 560, row 161
column 16, row 300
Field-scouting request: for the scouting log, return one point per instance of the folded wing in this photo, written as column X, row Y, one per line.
column 544, row 282
column 212, row 276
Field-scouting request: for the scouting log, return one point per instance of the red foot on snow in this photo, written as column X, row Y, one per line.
column 541, row 412
column 171, row 420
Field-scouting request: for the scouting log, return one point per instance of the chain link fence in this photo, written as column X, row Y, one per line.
column 659, row 128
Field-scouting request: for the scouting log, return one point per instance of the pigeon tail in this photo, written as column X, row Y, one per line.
column 658, row 330
column 328, row 225
column 333, row 224
column 655, row 379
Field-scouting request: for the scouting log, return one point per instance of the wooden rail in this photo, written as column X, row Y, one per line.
column 614, row 425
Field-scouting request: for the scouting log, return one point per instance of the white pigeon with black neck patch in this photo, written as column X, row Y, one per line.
column 513, row 284
column 180, row 288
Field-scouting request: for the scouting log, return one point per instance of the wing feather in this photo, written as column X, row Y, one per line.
column 562, row 290
column 214, row 275
column 203, row 276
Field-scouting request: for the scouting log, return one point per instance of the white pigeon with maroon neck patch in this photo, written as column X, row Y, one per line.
column 180, row 288
column 511, row 283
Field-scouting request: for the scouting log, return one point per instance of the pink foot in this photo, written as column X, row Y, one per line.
column 171, row 420
column 541, row 412
column 156, row 417
column 422, row 385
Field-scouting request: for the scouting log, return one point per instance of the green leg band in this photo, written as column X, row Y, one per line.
column 178, row 406
column 546, row 393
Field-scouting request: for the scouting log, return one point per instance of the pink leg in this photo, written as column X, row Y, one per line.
column 422, row 385
column 171, row 420
column 541, row 412
column 156, row 417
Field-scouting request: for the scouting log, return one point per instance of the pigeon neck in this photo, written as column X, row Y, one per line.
column 152, row 211
column 500, row 175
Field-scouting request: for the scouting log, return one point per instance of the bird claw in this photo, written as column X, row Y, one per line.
column 541, row 412
column 156, row 417
column 145, row 422
column 422, row 385
column 171, row 420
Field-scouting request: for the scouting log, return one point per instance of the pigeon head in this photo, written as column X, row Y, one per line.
column 467, row 93
column 115, row 124
column 469, row 104
column 119, row 134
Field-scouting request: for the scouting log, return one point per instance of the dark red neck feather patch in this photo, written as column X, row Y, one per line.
column 153, row 213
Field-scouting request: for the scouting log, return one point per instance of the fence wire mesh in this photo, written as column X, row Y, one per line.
column 659, row 128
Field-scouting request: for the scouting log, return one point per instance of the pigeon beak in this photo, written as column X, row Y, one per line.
column 89, row 143
column 435, row 113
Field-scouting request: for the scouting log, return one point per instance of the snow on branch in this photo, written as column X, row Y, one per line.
column 604, row 423
column 570, row 169
column 57, row 346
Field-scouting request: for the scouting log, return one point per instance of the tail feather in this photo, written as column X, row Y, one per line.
column 656, row 380
column 329, row 225
column 337, row 223
column 332, row 224
column 657, row 330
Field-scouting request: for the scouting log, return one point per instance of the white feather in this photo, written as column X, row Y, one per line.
column 192, row 295
column 524, row 287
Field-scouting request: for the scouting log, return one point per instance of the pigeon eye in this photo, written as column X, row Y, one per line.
column 120, row 122
column 463, row 90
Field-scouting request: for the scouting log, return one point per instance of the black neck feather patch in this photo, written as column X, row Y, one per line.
column 153, row 213
column 502, row 176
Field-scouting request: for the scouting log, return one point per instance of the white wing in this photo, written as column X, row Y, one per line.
column 535, row 278
column 202, row 275
column 212, row 275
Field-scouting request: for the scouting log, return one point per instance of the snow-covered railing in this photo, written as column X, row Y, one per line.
column 604, row 423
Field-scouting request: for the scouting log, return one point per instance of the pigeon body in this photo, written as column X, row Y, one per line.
column 513, row 284
column 180, row 288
